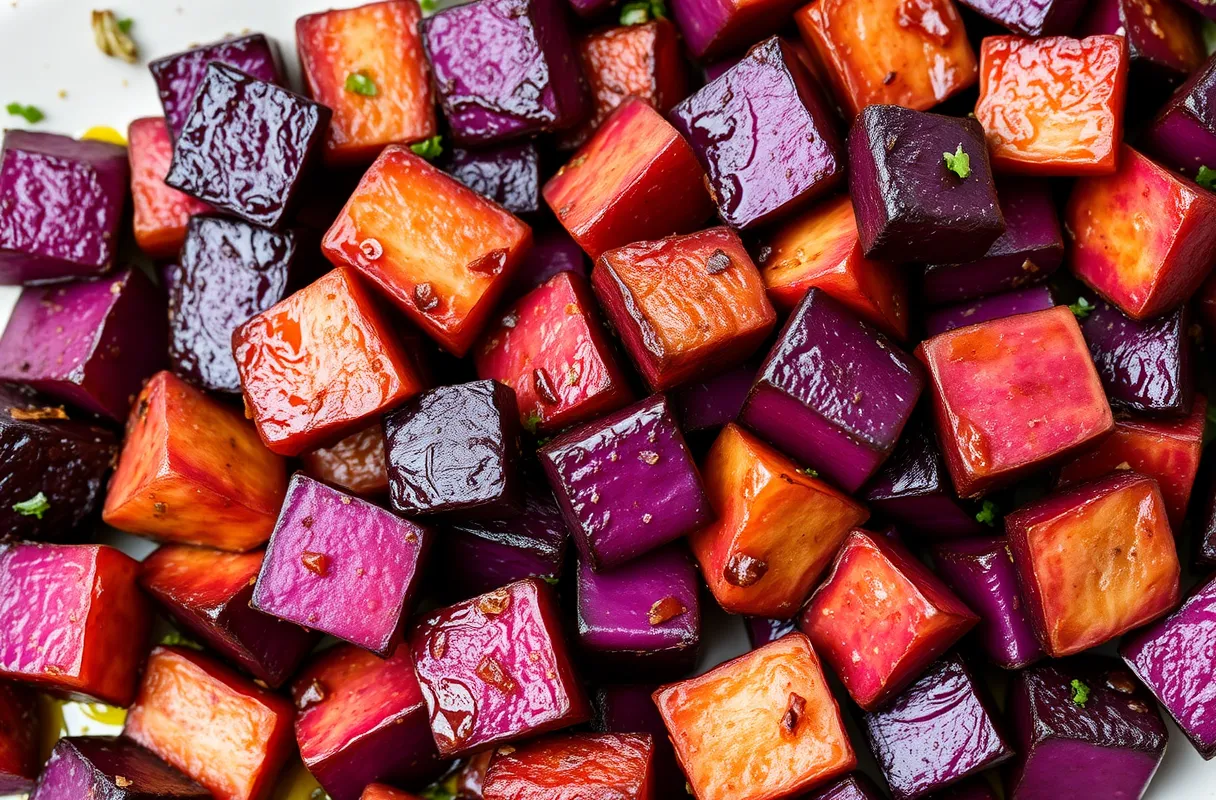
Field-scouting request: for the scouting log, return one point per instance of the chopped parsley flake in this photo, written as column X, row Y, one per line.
column 1080, row 692
column 36, row 506
column 359, row 83
column 958, row 162
column 428, row 6
column 176, row 639
column 430, row 149
column 32, row 114
column 988, row 514
column 531, row 421
column 1206, row 178
column 640, row 12
column 810, row 473
column 124, row 25
column 1081, row 308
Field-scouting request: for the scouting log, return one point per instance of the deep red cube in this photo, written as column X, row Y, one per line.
column 578, row 766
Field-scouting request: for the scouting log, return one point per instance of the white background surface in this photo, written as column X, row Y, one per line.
column 46, row 46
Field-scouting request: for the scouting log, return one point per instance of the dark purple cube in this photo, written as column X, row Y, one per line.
column 713, row 402
column 834, row 393
column 854, row 786
column 1144, row 366
column 1183, row 134
column 61, row 206
column 553, row 251
column 995, row 306
column 762, row 630
column 509, row 175
column 626, row 483
column 910, row 205
column 1030, row 17
column 246, row 145
column 110, row 768
column 455, row 450
column 505, row 69
column 630, row 709
column 765, row 135
column 1155, row 51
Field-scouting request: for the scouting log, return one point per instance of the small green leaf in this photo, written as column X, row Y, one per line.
column 36, row 506
column 124, row 25
column 1081, row 308
column 32, row 114
column 430, row 149
column 1080, row 692
column 810, row 473
column 176, row 639
column 531, row 421
column 443, row 790
column 1206, row 177
column 359, row 83
column 958, row 162
column 988, row 514
column 640, row 12
column 552, row 580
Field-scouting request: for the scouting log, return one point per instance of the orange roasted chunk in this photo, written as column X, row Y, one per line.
column 777, row 528
column 161, row 212
column 580, row 766
column 378, row 791
column 357, row 463
column 192, row 470
column 759, row 727
column 439, row 250
column 320, row 364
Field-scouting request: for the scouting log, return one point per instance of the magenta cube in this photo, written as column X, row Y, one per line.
column 1030, row 17
column 711, row 403
column 1183, row 134
column 110, row 768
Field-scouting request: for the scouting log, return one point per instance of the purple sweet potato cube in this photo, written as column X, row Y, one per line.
column 247, row 145
column 936, row 732
column 980, row 571
column 110, row 768
column 995, row 306
column 553, row 251
column 1173, row 658
column 455, row 450
column 713, row 402
column 61, row 205
column 1030, row 17
column 762, row 630
column 505, row 69
column 1183, row 134
column 910, row 205
column 630, row 708
column 178, row 76
column 833, row 393
column 765, row 135
column 495, row 668
column 1164, row 42
column 626, row 483
column 1082, row 728
column 854, row 786
column 509, row 174
column 88, row 343
column 340, row 565
column 1144, row 366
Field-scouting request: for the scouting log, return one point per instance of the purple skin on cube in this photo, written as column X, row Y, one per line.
column 1020, row 301
column 1173, row 658
column 713, row 402
column 1153, row 55
column 61, row 206
column 110, row 768
column 340, row 565
column 1030, row 17
column 834, row 393
column 854, row 786
column 1144, row 366
column 762, row 630
column 1183, row 134
column 90, row 344
column 631, row 709
column 505, row 69
column 509, row 175
column 980, row 571
column 753, row 175
column 626, row 483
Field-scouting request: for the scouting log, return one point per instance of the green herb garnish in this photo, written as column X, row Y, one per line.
column 318, row 794
column 430, row 149
column 531, row 421
column 428, row 6
column 1081, row 308
column 444, row 790
column 176, row 639
column 32, row 114
column 36, row 506
column 1206, row 177
column 359, row 83
column 124, row 25
column 958, row 162
column 988, row 514
column 1080, row 692
column 640, row 12
column 810, row 473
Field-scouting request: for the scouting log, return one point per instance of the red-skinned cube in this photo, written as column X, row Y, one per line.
column 1053, row 106
column 881, row 617
column 320, row 364
column 1094, row 561
column 19, row 738
column 580, row 766
column 439, row 250
column 356, row 463
column 161, row 212
column 193, row 471
column 606, row 195
column 89, row 634
column 381, row 42
column 1141, row 237
column 1012, row 396
column 217, row 727
column 759, row 727
column 552, row 349
column 684, row 306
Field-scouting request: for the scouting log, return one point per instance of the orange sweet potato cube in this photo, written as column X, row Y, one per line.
column 777, row 528
column 192, row 470
column 759, row 727
column 381, row 42
column 439, row 250
column 161, row 212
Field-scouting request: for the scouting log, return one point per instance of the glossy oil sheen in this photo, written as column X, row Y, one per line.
column 718, row 29
column 996, row 306
column 762, row 630
column 583, row 766
column 1164, row 40
column 161, row 212
column 1144, row 366
column 509, row 175
column 1183, row 134
column 90, row 766
column 1030, row 17
column 356, row 463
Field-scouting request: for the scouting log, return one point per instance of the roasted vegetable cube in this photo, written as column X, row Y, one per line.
column 1145, row 366
column 854, row 786
column 91, row 343
column 756, row 174
column 509, row 174
column 1183, row 134
column 320, row 364
column 1164, row 38
column 20, row 730
column 712, row 30
column 219, row 728
column 1053, row 106
column 362, row 719
column 996, row 306
column 604, row 196
column 88, row 637
column 630, row 709
column 685, row 306
column 833, row 392
column 380, row 42
column 1030, row 17
column 626, row 483
column 356, row 463
column 1012, row 396
column 161, row 212
column 440, row 251
column 573, row 767
column 777, row 527
column 193, row 471
column 495, row 668
column 111, row 768
column 715, row 401
column 762, row 725
column 553, row 251
column 207, row 592
column 921, row 186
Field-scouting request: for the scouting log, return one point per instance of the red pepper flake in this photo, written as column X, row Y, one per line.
column 425, row 298
column 159, row 509
column 544, row 386
column 494, row 603
column 793, row 713
column 490, row 263
column 889, row 78
column 490, row 671
column 666, row 610
column 307, row 522
column 742, row 570
column 316, row 563
column 47, row 412
column 313, row 693
column 718, row 262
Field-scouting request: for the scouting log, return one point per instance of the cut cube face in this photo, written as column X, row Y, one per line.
column 20, row 733
column 684, row 306
column 1006, row 304
column 320, row 364
column 1095, row 561
column 436, row 248
column 1012, row 396
column 753, row 174
column 509, row 175
column 1053, row 106
column 105, row 766
column 575, row 766
column 925, row 57
column 161, row 212
column 596, row 472
column 356, row 463
column 63, row 203
column 340, row 565
column 193, row 471
column 1050, row 18
column 381, row 42
column 1183, row 134
column 604, row 195
column 495, row 668
column 1164, row 39
column 881, row 617
column 762, row 725
column 776, row 531
column 1145, row 366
